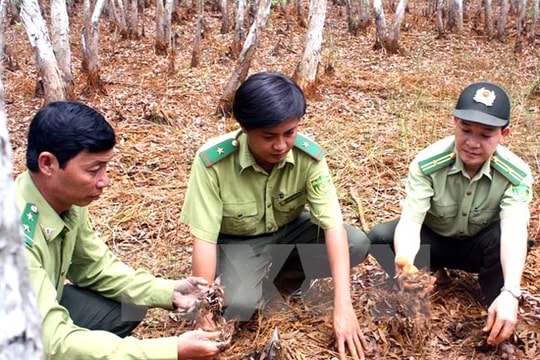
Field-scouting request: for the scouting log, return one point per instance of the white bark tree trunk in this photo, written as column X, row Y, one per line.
column 20, row 337
column 60, row 43
column 163, row 26
column 393, row 36
column 358, row 16
column 133, row 20
column 501, row 21
column 196, row 53
column 380, row 23
column 387, row 38
column 224, row 17
column 522, row 8
column 117, row 10
column 439, row 18
column 305, row 74
column 239, row 25
column 244, row 61
column 36, row 29
column 532, row 34
column 488, row 9
column 299, row 14
column 458, row 15
column 90, row 44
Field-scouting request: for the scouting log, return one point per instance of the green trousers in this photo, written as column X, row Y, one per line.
column 254, row 270
column 478, row 254
column 92, row 311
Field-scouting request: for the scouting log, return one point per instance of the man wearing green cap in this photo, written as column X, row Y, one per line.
column 467, row 201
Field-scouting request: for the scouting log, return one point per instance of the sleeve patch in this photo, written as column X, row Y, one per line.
column 522, row 192
column 320, row 185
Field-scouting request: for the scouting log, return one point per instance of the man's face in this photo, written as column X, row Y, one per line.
column 270, row 145
column 80, row 182
column 476, row 143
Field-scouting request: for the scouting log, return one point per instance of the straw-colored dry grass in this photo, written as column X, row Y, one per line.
column 373, row 113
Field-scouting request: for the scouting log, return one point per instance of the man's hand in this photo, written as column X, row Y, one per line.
column 198, row 344
column 348, row 333
column 191, row 285
column 502, row 318
column 404, row 266
column 187, row 293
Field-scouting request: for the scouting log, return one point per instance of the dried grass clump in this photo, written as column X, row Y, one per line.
column 404, row 315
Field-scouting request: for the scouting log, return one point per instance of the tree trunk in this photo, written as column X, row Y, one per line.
column 501, row 22
column 392, row 44
column 357, row 15
column 432, row 8
column 163, row 26
column 196, row 54
column 439, row 19
column 239, row 25
column 520, row 24
column 132, row 20
column 532, row 34
column 224, row 17
column 300, row 14
column 489, row 19
column 20, row 337
column 305, row 74
column 388, row 38
column 242, row 66
column 90, row 46
column 380, row 24
column 60, row 43
column 36, row 29
column 457, row 13
column 118, row 9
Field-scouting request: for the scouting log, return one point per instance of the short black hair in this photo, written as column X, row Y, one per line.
column 65, row 129
column 267, row 99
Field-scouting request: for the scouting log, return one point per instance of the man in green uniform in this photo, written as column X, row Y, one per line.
column 467, row 201
column 88, row 299
column 246, row 208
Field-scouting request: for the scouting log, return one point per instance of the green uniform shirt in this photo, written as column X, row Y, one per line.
column 229, row 193
column 60, row 247
column 452, row 204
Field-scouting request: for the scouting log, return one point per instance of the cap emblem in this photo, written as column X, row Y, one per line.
column 484, row 96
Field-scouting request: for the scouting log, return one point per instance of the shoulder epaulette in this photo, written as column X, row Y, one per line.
column 29, row 220
column 508, row 170
column 309, row 147
column 219, row 151
column 437, row 162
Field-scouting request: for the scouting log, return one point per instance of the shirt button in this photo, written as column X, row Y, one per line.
column 464, row 214
column 469, row 193
column 268, row 206
column 269, row 227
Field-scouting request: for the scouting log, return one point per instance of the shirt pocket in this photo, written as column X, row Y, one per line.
column 442, row 216
column 288, row 209
column 239, row 218
column 481, row 218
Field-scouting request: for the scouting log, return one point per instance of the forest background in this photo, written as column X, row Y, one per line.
column 373, row 112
